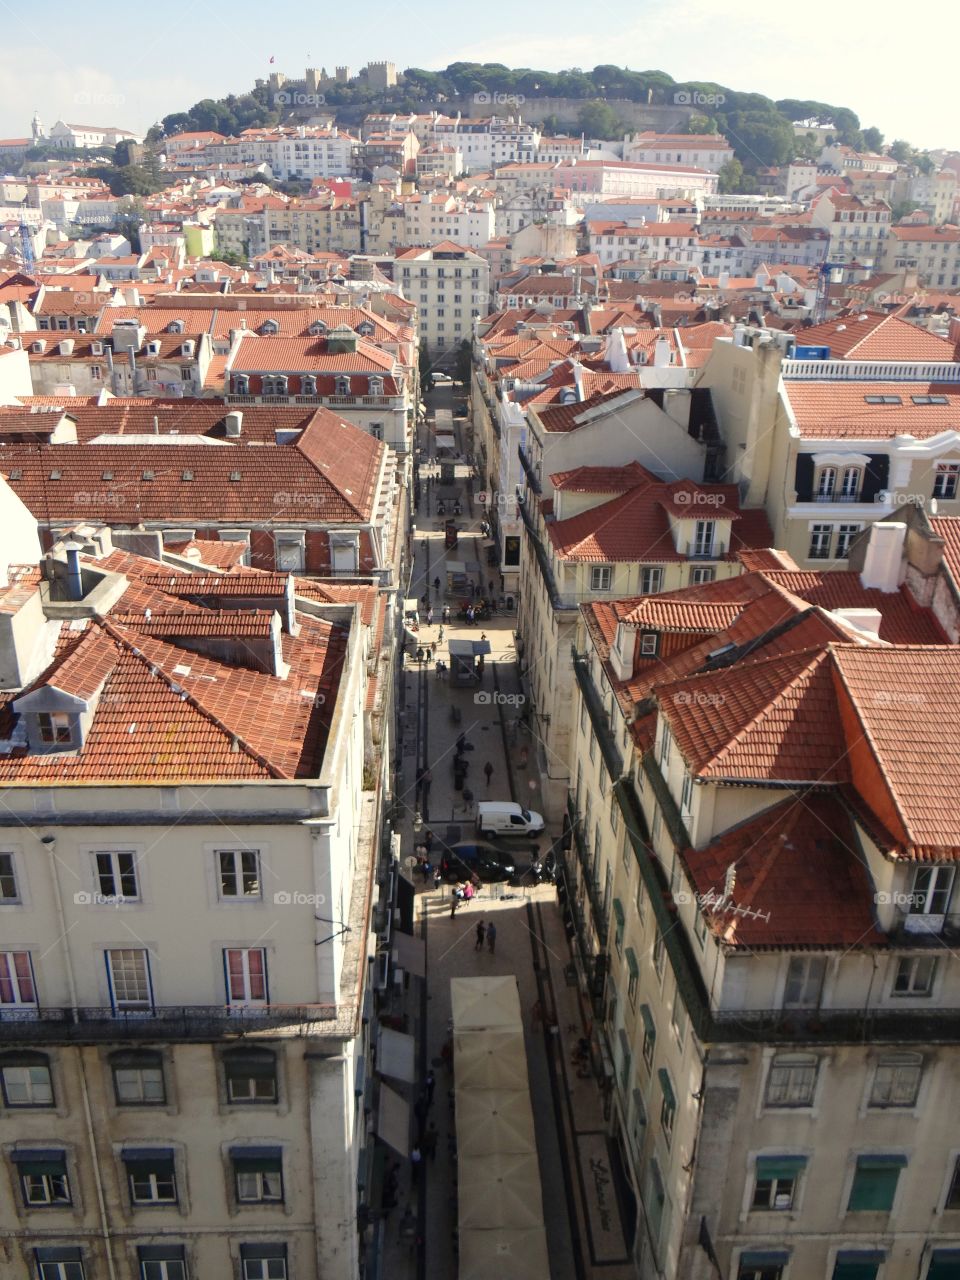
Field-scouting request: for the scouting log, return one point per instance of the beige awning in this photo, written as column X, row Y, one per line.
column 504, row 1255
column 393, row 1121
column 484, row 1004
column 396, row 1055
column 499, row 1191
column 491, row 1122
column 411, row 953
column 490, row 1060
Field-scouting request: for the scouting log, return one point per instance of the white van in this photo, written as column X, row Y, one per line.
column 504, row 818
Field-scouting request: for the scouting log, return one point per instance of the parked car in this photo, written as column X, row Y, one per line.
column 468, row 857
column 441, row 379
column 505, row 818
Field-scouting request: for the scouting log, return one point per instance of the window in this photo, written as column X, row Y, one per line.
column 290, row 555
column 649, row 643
column 703, row 537
column 258, row 1174
column 686, row 795
column 128, row 970
column 162, row 1262
column 896, row 1081
column 664, row 743
column 668, row 1104
column 251, row 1075
column 56, row 728
column 804, row 984
column 246, row 974
column 914, row 976
column 820, row 537
column 633, row 980
column 850, row 483
column 25, row 1079
column 117, row 875
column 875, row 1184
column 845, row 535
column 8, row 879
column 945, row 480
column 43, row 1178
column 138, row 1078
column 600, row 577
column 702, row 574
column 792, row 1080
column 239, row 871
column 150, row 1175
column 619, row 921
column 762, row 1264
column 953, row 1194
column 59, row 1264
column 659, row 954
column 775, row 1184
column 859, row 1264
column 651, row 581
column 264, row 1261
column 931, row 890
column 17, row 988
column 649, row 1035
column 826, row 483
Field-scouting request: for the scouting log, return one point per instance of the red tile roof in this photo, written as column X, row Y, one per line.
column 877, row 336
column 838, row 410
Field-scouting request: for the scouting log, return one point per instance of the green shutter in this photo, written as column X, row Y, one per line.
column 649, row 1026
column 769, row 1167
column 632, row 964
column 874, row 1187
column 944, row 1265
column 618, row 911
column 854, row 1265
column 667, row 1087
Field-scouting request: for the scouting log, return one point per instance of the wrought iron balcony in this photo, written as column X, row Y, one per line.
column 533, row 480
column 601, row 918
column 52, row 1024
column 612, row 756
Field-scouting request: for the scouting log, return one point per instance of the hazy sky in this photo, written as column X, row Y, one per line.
column 138, row 64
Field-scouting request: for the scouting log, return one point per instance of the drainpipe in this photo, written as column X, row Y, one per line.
column 49, row 842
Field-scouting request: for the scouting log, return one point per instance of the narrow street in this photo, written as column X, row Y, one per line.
column 583, row 1217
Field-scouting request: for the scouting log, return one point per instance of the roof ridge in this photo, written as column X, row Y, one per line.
column 116, row 632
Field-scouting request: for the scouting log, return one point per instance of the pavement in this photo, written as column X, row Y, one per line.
column 584, row 1234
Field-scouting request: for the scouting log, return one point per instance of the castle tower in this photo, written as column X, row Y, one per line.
column 36, row 128
column 343, row 75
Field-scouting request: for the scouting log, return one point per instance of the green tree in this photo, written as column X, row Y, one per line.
column 731, row 177
column 873, row 138
column 901, row 151
column 464, row 363
column 598, row 120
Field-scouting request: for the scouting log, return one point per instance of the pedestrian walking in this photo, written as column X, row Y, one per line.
column 454, row 903
column 488, row 770
column 461, row 743
column 437, row 878
column 469, row 893
column 436, row 584
column 438, row 668
column 490, row 586
column 491, row 937
column 440, row 634
column 430, row 616
column 431, row 1083
column 481, row 934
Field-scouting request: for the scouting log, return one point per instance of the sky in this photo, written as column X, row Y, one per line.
column 133, row 68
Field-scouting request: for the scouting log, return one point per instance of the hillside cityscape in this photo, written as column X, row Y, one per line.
column 479, row 671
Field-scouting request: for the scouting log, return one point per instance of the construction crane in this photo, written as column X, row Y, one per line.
column 26, row 247
column 829, row 273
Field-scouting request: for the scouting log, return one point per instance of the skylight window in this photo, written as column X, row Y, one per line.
column 187, row 475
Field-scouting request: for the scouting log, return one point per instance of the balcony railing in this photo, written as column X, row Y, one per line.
column 870, row 371
column 543, row 560
column 601, row 921
column 612, row 756
column 533, row 480
column 163, row 1022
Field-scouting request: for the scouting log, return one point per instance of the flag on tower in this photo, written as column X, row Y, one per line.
column 272, row 57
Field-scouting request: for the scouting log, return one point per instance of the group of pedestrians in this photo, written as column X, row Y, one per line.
column 488, row 931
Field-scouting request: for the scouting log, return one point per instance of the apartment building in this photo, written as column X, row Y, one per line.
column 760, row 888
column 450, row 285
column 186, row 867
column 608, row 532
column 858, row 227
column 291, row 151
column 609, row 179
column 130, row 362
column 302, row 490
column 857, row 420
column 489, row 142
column 704, row 150
column 933, row 252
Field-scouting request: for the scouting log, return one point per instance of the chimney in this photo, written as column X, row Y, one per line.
column 883, row 562
column 233, row 423
column 661, row 353
column 866, row 621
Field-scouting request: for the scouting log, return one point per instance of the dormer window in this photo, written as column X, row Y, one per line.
column 376, row 386
column 703, row 538
column 56, row 728
column 309, row 387
column 318, row 327
column 343, row 386
column 241, row 384
column 269, row 327
column 649, row 643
